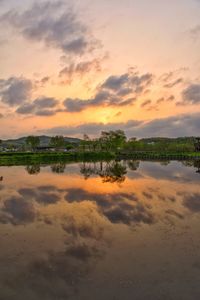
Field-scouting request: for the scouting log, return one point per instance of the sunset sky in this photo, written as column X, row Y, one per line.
column 83, row 66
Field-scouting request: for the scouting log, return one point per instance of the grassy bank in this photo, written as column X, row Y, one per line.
column 19, row 158
column 9, row 159
column 160, row 155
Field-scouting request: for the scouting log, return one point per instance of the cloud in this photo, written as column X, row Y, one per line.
column 181, row 125
column 80, row 69
column 91, row 128
column 195, row 32
column 114, row 91
column 146, row 103
column 43, row 106
column 15, row 90
column 131, row 80
column 53, row 23
column 173, row 83
column 191, row 95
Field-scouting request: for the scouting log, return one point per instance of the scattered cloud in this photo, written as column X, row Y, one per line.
column 53, row 23
column 191, row 95
column 146, row 103
column 80, row 69
column 174, row 126
column 44, row 106
column 114, row 91
column 174, row 83
column 15, row 90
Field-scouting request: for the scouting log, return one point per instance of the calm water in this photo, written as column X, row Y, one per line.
column 111, row 231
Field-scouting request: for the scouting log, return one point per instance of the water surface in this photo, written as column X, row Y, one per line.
column 112, row 231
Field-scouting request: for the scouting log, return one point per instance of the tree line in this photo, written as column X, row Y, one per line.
column 116, row 141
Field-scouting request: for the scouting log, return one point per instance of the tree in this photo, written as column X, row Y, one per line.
column 33, row 141
column 112, row 140
column 197, row 144
column 57, row 141
column 85, row 143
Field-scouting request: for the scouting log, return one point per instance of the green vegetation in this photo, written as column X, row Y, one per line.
column 33, row 142
column 21, row 158
column 110, row 144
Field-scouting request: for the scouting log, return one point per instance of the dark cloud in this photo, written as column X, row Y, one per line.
column 180, row 125
column 131, row 80
column 55, row 24
column 191, row 95
column 15, row 91
column 113, row 92
column 43, row 106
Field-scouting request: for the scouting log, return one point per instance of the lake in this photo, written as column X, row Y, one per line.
column 106, row 230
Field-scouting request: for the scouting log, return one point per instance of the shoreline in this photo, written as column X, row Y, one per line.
column 25, row 158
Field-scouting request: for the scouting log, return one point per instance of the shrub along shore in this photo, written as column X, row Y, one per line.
column 24, row 158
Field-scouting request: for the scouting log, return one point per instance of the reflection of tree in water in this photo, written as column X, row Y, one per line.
column 133, row 164
column 114, row 172
column 33, row 169
column 192, row 163
column 197, row 165
column 58, row 168
column 89, row 169
column 165, row 162
column 109, row 171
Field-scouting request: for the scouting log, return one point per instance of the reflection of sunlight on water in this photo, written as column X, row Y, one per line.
column 72, row 230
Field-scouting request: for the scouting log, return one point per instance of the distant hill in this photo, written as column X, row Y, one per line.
column 44, row 141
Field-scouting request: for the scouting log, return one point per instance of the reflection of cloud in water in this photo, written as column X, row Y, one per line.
column 17, row 210
column 40, row 195
column 175, row 171
column 56, row 261
column 117, row 208
column 192, row 202
column 56, row 274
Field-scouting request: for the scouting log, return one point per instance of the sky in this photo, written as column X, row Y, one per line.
column 70, row 67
